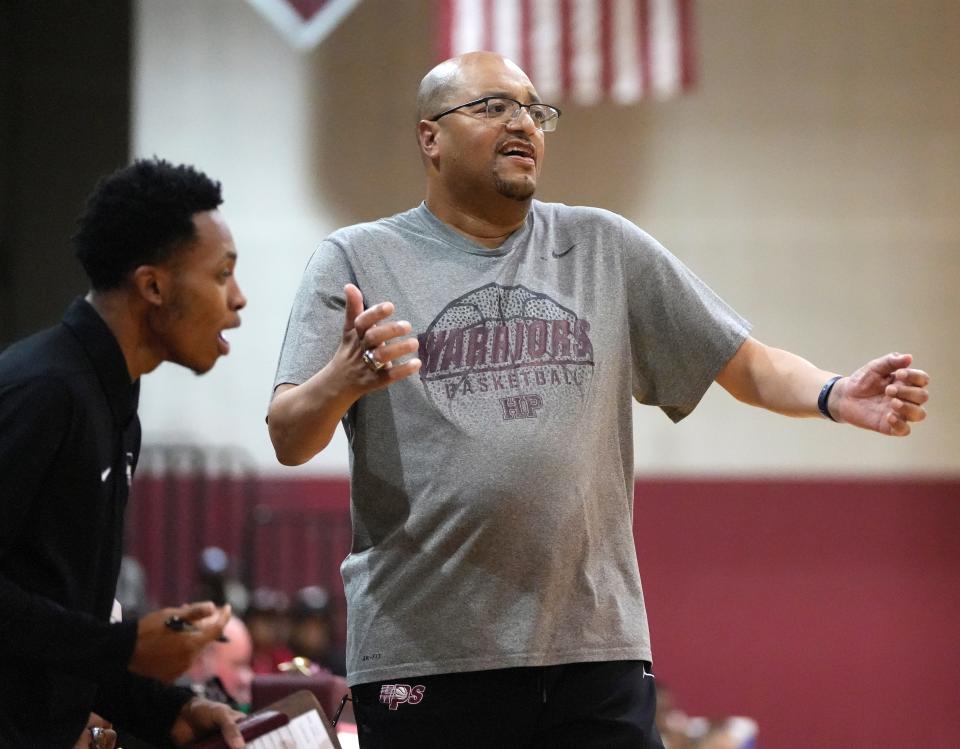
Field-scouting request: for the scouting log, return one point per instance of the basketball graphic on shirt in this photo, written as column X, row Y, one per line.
column 505, row 353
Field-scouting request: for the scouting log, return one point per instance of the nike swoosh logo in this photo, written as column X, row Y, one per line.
column 563, row 252
column 105, row 473
column 647, row 673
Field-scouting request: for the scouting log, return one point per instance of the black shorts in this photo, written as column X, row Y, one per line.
column 605, row 705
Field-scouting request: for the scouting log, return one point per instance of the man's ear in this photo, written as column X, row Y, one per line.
column 428, row 136
column 150, row 283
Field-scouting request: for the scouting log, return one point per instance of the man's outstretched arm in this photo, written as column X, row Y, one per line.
column 885, row 395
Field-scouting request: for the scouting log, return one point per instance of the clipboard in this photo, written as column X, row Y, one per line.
column 295, row 722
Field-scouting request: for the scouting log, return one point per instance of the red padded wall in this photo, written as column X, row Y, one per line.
column 827, row 610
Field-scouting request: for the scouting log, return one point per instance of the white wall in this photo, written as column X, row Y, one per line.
column 813, row 179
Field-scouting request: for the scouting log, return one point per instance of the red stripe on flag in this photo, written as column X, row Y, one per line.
column 445, row 25
column 688, row 73
column 606, row 46
column 488, row 41
column 643, row 41
column 525, row 30
column 566, row 47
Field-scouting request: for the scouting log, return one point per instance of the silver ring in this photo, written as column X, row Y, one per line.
column 371, row 361
column 102, row 738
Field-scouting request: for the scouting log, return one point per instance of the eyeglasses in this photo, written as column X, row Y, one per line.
column 502, row 110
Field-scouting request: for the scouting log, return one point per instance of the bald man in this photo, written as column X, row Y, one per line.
column 481, row 352
column 223, row 670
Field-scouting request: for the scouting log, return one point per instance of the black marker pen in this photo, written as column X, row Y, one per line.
column 182, row 625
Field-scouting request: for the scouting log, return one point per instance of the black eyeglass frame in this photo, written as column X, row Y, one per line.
column 484, row 99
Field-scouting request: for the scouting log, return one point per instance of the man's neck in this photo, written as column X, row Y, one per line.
column 128, row 326
column 489, row 227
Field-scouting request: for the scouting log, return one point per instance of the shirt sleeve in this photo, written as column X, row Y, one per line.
column 315, row 325
column 34, row 416
column 681, row 332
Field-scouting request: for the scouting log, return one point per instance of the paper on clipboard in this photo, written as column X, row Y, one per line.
column 294, row 722
column 306, row 730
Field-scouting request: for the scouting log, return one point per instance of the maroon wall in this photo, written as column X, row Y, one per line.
column 829, row 611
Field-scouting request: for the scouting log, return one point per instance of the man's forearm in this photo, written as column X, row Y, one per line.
column 303, row 418
column 774, row 379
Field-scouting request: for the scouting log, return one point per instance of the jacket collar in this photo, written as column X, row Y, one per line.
column 107, row 358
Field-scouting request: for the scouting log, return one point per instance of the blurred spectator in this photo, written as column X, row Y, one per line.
column 717, row 737
column 681, row 731
column 222, row 671
column 743, row 731
column 218, row 582
column 311, row 629
column 266, row 619
column 728, row 733
column 671, row 722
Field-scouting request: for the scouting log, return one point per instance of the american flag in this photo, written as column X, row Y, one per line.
column 584, row 50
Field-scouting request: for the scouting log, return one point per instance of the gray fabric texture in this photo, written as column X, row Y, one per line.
column 492, row 494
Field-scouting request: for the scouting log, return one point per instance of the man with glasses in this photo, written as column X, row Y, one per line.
column 481, row 351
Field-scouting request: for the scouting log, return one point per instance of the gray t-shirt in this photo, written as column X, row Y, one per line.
column 492, row 493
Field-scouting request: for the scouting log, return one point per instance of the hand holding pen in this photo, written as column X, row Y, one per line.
column 182, row 625
column 169, row 639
